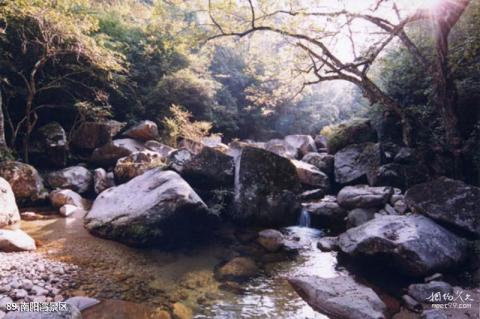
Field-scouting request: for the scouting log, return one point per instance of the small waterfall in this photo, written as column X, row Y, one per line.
column 304, row 220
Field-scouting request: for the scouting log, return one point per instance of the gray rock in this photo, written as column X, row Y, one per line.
column 157, row 207
column 328, row 244
column 270, row 239
column 265, row 189
column 359, row 216
column 434, row 314
column 322, row 161
column 210, row 168
column 109, row 153
column 179, row 158
column 15, row 240
column 26, row 183
column 354, row 162
column 364, row 196
column 4, row 301
column 102, row 180
column 449, row 201
column 397, row 175
column 76, row 178
column 91, row 135
column 280, row 148
column 9, row 214
column 303, row 144
column 61, row 197
column 426, row 292
column 143, row 131
column 312, row 194
column 39, row 291
column 49, row 145
column 412, row 244
column 311, row 176
column 339, row 297
column 405, row 155
column 326, row 213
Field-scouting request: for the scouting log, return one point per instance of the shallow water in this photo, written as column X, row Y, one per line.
column 110, row 270
column 271, row 296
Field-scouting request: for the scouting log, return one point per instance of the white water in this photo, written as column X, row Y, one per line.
column 304, row 220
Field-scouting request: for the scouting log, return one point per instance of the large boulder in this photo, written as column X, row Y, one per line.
column 413, row 244
column 26, row 183
column 364, row 196
column 136, row 164
column 9, row 215
column 192, row 146
column 50, row 146
column 210, row 168
column 359, row 216
column 76, row 178
column 109, row 153
column 280, row 148
column 449, row 201
column 322, row 161
column 339, row 297
column 91, row 135
column 265, row 189
column 303, row 144
column 15, row 240
column 354, row 162
column 143, row 131
column 102, row 180
column 311, row 176
column 157, row 207
column 354, row 132
column 326, row 213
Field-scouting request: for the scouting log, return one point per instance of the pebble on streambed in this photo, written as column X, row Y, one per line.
column 30, row 277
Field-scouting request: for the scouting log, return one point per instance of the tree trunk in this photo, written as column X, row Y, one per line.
column 444, row 88
column 3, row 143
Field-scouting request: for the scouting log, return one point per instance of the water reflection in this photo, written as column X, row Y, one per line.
column 271, row 296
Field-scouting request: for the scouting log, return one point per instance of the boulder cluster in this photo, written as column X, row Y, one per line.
column 377, row 198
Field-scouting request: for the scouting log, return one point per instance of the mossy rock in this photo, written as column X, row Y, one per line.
column 353, row 132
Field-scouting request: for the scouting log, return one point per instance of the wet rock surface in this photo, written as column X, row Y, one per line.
column 340, row 297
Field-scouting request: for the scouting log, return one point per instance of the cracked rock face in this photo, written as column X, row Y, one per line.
column 449, row 201
column 155, row 208
column 413, row 244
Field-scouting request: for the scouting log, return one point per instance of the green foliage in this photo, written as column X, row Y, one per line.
column 180, row 125
column 355, row 131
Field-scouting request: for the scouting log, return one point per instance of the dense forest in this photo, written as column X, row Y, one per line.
column 159, row 124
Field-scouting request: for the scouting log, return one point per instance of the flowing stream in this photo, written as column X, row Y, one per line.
column 150, row 277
